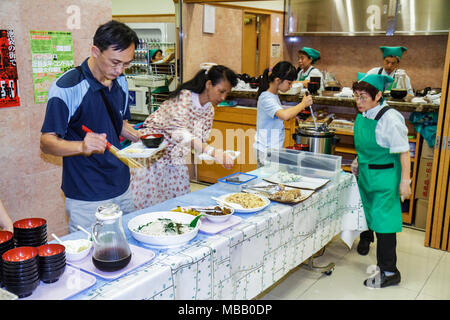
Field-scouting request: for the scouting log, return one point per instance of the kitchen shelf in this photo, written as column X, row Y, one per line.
column 345, row 150
column 344, row 133
column 347, row 168
column 399, row 105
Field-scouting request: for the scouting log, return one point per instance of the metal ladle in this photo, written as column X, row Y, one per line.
column 312, row 112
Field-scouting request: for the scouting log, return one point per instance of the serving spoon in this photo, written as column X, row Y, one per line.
column 228, row 204
column 57, row 239
column 85, row 231
column 193, row 223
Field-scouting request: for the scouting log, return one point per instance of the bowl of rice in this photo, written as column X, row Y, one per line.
column 163, row 228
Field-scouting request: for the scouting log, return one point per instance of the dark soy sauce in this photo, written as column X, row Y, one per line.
column 108, row 259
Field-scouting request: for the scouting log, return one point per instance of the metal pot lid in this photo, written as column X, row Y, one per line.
column 313, row 132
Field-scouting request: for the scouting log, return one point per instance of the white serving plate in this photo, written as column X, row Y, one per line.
column 305, row 193
column 209, row 227
column 139, row 256
column 138, row 150
column 71, row 282
column 302, row 183
column 240, row 209
column 169, row 240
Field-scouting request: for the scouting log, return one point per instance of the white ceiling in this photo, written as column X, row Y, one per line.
column 122, row 7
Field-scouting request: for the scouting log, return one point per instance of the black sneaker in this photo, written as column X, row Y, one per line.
column 363, row 247
column 381, row 280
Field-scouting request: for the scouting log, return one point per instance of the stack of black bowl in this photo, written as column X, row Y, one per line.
column 52, row 262
column 21, row 271
column 30, row 232
column 6, row 243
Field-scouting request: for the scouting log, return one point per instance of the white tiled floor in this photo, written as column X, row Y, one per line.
column 425, row 273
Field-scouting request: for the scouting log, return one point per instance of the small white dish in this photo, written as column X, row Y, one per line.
column 77, row 249
column 218, row 218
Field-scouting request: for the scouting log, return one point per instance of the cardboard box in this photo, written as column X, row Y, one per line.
column 420, row 220
column 427, row 152
column 423, row 179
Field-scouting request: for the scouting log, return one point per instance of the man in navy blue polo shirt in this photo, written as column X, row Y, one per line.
column 92, row 176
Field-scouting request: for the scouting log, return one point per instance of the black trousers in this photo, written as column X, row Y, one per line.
column 386, row 249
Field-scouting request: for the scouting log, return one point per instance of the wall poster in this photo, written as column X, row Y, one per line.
column 51, row 56
column 9, row 90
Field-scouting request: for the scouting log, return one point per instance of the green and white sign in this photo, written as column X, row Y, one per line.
column 51, row 56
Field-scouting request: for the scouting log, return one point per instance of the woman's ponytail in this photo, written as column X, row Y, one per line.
column 197, row 84
column 283, row 70
column 263, row 82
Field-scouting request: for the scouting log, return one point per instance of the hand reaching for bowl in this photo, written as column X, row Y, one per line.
column 128, row 132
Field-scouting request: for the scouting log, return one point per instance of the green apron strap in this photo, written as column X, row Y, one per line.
column 303, row 77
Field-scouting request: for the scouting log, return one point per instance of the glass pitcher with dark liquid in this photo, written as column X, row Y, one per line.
column 111, row 249
column 398, row 90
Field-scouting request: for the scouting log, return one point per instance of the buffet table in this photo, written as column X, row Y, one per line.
column 243, row 261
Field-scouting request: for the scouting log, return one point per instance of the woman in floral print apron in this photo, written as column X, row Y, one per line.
column 185, row 120
column 383, row 170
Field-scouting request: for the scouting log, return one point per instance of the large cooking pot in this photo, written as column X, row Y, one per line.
column 319, row 141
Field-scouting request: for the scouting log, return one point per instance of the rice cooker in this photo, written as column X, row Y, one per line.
column 319, row 140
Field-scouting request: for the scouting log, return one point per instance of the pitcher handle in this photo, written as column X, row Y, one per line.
column 94, row 231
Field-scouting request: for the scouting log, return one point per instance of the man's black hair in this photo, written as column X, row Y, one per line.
column 115, row 34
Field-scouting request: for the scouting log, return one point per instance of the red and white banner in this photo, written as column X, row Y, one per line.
column 9, row 90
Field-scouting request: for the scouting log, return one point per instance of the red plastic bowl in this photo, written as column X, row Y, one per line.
column 20, row 254
column 29, row 223
column 51, row 249
column 5, row 236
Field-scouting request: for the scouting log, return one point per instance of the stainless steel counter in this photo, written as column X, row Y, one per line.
column 400, row 105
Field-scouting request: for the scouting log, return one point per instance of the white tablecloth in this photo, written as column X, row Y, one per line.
column 241, row 262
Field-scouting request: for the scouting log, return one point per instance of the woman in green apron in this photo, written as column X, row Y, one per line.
column 307, row 57
column 383, row 170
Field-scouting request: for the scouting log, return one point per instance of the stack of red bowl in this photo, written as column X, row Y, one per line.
column 30, row 232
column 6, row 243
column 21, row 271
column 52, row 262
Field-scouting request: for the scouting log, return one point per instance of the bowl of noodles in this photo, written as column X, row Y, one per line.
column 163, row 228
column 243, row 202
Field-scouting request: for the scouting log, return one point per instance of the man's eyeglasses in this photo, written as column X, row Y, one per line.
column 122, row 65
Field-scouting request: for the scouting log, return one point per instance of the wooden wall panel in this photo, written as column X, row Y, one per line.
column 438, row 218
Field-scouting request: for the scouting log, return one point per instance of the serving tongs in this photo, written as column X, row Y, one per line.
column 324, row 126
column 207, row 210
column 269, row 189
